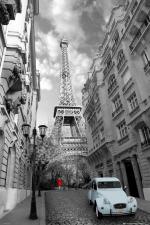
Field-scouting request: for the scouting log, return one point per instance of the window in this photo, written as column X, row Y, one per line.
column 116, row 37
column 108, row 64
column 115, row 41
column 109, row 61
column 102, row 133
column 145, row 57
column 134, row 5
column 122, row 130
column 109, row 184
column 144, row 134
column 112, row 83
column 126, row 77
column 120, row 59
column 132, row 102
column 116, row 103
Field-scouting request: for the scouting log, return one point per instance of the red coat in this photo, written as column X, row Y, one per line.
column 59, row 182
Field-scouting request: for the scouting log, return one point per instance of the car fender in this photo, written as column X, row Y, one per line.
column 134, row 202
column 99, row 201
column 89, row 195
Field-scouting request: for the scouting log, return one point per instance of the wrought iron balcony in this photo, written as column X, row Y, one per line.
column 147, row 67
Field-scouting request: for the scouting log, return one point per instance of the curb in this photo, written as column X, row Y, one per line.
column 42, row 220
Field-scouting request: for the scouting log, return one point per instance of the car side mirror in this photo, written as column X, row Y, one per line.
column 125, row 188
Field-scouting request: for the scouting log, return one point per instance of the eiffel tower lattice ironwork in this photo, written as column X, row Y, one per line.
column 68, row 133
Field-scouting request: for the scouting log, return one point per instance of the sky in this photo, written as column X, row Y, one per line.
column 82, row 23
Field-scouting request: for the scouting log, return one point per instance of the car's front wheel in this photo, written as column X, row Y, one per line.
column 98, row 214
column 132, row 215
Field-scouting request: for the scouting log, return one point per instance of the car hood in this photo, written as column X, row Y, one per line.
column 114, row 196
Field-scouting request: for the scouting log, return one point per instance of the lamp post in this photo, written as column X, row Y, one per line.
column 26, row 133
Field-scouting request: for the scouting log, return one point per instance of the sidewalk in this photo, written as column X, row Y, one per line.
column 20, row 214
column 143, row 205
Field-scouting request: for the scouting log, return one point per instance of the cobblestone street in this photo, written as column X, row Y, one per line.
column 71, row 208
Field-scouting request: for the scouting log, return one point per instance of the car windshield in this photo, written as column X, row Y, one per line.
column 109, row 184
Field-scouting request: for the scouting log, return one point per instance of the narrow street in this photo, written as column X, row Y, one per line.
column 71, row 208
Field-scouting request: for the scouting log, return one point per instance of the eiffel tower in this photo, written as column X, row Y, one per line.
column 68, row 134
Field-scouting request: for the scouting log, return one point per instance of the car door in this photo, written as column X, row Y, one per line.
column 89, row 191
column 94, row 191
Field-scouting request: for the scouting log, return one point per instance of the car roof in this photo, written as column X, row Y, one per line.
column 98, row 179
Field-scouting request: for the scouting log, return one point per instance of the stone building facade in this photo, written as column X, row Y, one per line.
column 19, row 96
column 116, row 99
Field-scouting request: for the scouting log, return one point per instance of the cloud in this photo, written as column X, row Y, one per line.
column 46, row 84
column 67, row 18
column 64, row 18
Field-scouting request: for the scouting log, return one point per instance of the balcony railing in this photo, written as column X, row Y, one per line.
column 140, row 32
column 147, row 67
column 117, row 111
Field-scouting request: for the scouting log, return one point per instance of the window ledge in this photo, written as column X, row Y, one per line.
column 113, row 90
column 134, row 111
column 122, row 66
column 123, row 140
column 147, row 67
column 117, row 114
column 127, row 85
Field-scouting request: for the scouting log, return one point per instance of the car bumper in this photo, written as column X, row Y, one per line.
column 108, row 210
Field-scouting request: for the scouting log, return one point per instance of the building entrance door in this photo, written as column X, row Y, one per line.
column 131, row 178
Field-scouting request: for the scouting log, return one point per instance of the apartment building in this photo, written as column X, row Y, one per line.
column 19, row 96
column 119, row 133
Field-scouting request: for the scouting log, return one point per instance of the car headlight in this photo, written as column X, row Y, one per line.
column 130, row 200
column 106, row 201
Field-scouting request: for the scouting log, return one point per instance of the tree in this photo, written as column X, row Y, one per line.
column 84, row 172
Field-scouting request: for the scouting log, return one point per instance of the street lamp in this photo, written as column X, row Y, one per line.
column 26, row 133
column 42, row 130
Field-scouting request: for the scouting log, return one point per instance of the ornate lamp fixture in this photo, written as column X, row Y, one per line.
column 26, row 133
column 42, row 130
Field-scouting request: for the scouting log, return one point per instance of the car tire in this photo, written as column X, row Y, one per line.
column 90, row 202
column 98, row 214
column 94, row 206
column 132, row 215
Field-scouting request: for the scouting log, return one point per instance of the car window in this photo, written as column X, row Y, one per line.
column 109, row 184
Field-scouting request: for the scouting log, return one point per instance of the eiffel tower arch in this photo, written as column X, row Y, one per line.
column 68, row 134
